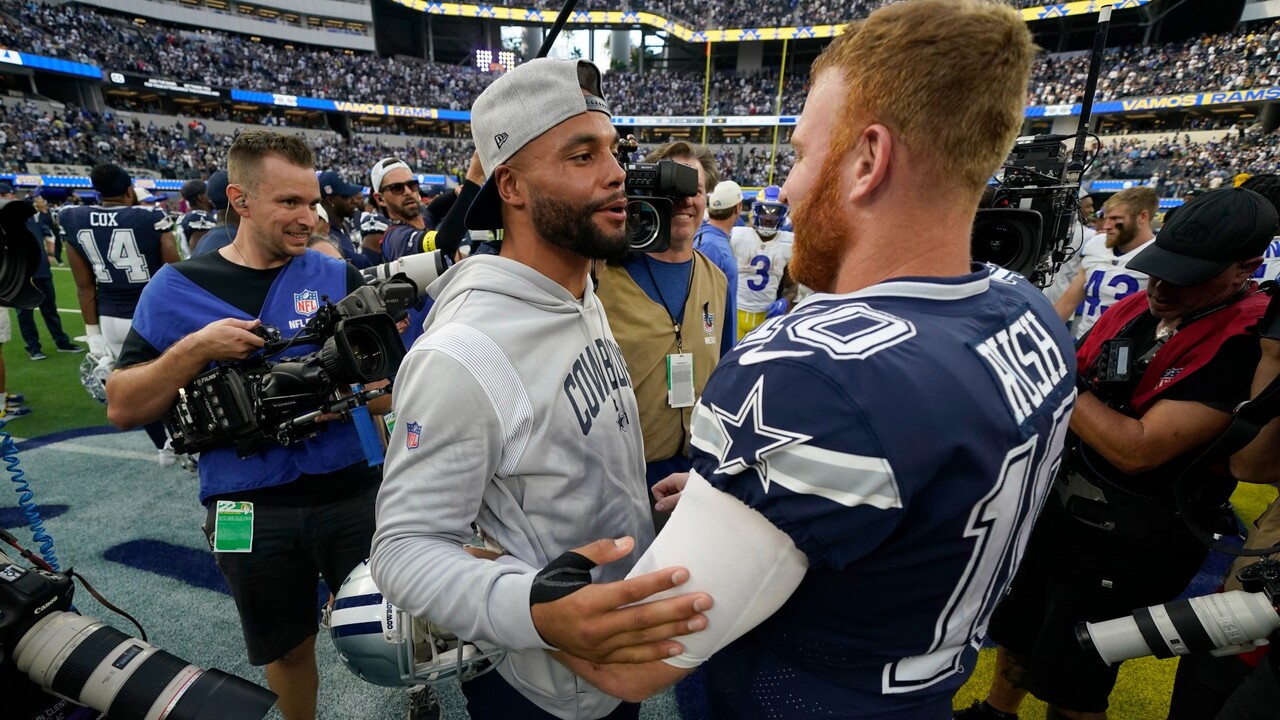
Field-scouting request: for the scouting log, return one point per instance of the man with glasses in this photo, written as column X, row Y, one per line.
column 396, row 190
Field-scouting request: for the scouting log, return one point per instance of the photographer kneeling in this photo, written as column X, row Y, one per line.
column 1110, row 539
column 314, row 499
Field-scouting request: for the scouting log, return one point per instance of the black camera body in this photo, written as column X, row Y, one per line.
column 268, row 399
column 651, row 192
column 25, row 597
column 1026, row 225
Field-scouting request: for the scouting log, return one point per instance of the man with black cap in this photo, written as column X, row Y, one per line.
column 228, row 222
column 516, row 415
column 1160, row 374
column 200, row 217
column 341, row 202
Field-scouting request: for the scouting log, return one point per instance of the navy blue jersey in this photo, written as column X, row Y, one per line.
column 122, row 245
column 905, row 437
column 194, row 222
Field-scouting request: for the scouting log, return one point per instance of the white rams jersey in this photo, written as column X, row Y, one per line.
column 1270, row 267
column 760, row 266
column 1107, row 279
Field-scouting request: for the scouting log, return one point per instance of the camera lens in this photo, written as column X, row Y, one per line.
column 644, row 222
column 96, row 665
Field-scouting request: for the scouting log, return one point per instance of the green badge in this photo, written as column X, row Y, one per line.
column 233, row 526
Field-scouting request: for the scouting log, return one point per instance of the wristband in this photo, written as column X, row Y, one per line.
column 563, row 576
column 92, row 330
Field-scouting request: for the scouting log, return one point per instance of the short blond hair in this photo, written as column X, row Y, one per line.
column 1134, row 200
column 947, row 77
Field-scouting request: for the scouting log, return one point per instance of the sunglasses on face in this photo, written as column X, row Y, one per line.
column 397, row 188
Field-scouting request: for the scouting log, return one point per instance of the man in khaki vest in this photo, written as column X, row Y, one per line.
column 667, row 311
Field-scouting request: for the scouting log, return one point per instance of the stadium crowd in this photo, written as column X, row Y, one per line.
column 1228, row 61
column 1178, row 165
column 83, row 137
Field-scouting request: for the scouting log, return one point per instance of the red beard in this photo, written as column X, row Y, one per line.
column 820, row 241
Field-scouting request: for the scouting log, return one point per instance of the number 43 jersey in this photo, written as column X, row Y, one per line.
column 904, row 437
column 122, row 245
column 760, row 266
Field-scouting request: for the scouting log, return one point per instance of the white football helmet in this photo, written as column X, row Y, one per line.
column 94, row 370
column 384, row 645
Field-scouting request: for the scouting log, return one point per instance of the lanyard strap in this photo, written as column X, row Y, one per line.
column 688, row 289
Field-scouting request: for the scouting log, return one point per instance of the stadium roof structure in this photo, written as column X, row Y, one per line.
column 677, row 29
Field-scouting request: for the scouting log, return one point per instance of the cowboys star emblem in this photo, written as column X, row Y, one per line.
column 748, row 440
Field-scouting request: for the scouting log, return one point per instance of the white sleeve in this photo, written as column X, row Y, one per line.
column 733, row 553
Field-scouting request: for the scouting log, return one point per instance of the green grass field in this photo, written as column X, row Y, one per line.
column 53, row 390
column 59, row 403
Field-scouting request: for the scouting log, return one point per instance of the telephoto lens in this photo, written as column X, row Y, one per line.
column 1220, row 624
column 89, row 663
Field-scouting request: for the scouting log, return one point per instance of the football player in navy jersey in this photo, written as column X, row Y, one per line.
column 199, row 219
column 866, row 469
column 115, row 249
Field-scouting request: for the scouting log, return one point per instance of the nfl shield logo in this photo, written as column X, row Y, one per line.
column 708, row 322
column 306, row 302
column 413, row 435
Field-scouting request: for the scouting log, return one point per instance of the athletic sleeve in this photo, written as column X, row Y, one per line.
column 731, row 552
column 435, row 477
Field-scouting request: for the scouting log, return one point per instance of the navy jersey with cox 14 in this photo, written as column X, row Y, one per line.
column 122, row 245
column 905, row 437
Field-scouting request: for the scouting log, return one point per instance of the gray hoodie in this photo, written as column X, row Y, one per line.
column 513, row 411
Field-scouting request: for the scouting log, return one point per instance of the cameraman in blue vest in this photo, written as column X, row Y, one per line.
column 310, row 503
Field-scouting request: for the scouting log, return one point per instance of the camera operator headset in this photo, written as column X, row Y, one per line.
column 1160, row 374
column 210, row 309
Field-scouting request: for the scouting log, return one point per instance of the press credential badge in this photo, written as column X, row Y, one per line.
column 233, row 526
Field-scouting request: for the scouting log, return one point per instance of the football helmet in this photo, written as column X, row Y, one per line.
column 384, row 645
column 94, row 370
column 769, row 212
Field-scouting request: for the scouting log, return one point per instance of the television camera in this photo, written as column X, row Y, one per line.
column 652, row 189
column 277, row 398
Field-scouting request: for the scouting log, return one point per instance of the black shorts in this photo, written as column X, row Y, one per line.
column 1074, row 573
column 275, row 585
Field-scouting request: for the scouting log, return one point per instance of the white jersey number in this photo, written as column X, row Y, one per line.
column 1000, row 525
column 123, row 254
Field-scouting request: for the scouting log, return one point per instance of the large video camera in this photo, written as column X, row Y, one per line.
column 88, row 663
column 1026, row 226
column 651, row 192
column 275, row 398
column 1220, row 624
column 19, row 255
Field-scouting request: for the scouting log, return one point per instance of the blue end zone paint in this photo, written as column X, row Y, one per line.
column 12, row 517
column 61, row 435
column 193, row 567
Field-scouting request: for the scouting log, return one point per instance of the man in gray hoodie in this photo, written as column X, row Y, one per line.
column 516, row 414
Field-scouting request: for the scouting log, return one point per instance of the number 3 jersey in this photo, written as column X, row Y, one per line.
column 904, row 437
column 122, row 245
column 760, row 266
column 1107, row 279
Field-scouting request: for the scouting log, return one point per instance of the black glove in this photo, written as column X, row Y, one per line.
column 565, row 575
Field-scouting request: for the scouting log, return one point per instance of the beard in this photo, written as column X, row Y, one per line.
column 820, row 241
column 1124, row 235
column 574, row 228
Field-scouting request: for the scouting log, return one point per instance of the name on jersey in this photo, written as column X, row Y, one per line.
column 597, row 373
column 102, row 219
column 1026, row 362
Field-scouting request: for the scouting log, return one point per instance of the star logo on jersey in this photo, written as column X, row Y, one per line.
column 306, row 302
column 748, row 439
column 413, row 435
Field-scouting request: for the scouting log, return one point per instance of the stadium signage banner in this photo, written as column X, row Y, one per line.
column 170, row 86
column 350, row 107
column 40, row 62
column 688, row 34
column 698, row 120
column 1162, row 102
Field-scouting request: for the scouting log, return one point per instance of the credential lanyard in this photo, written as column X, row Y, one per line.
column 688, row 289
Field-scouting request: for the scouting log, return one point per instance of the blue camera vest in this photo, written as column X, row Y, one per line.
column 172, row 306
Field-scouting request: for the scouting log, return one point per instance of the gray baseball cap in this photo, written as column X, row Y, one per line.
column 516, row 109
